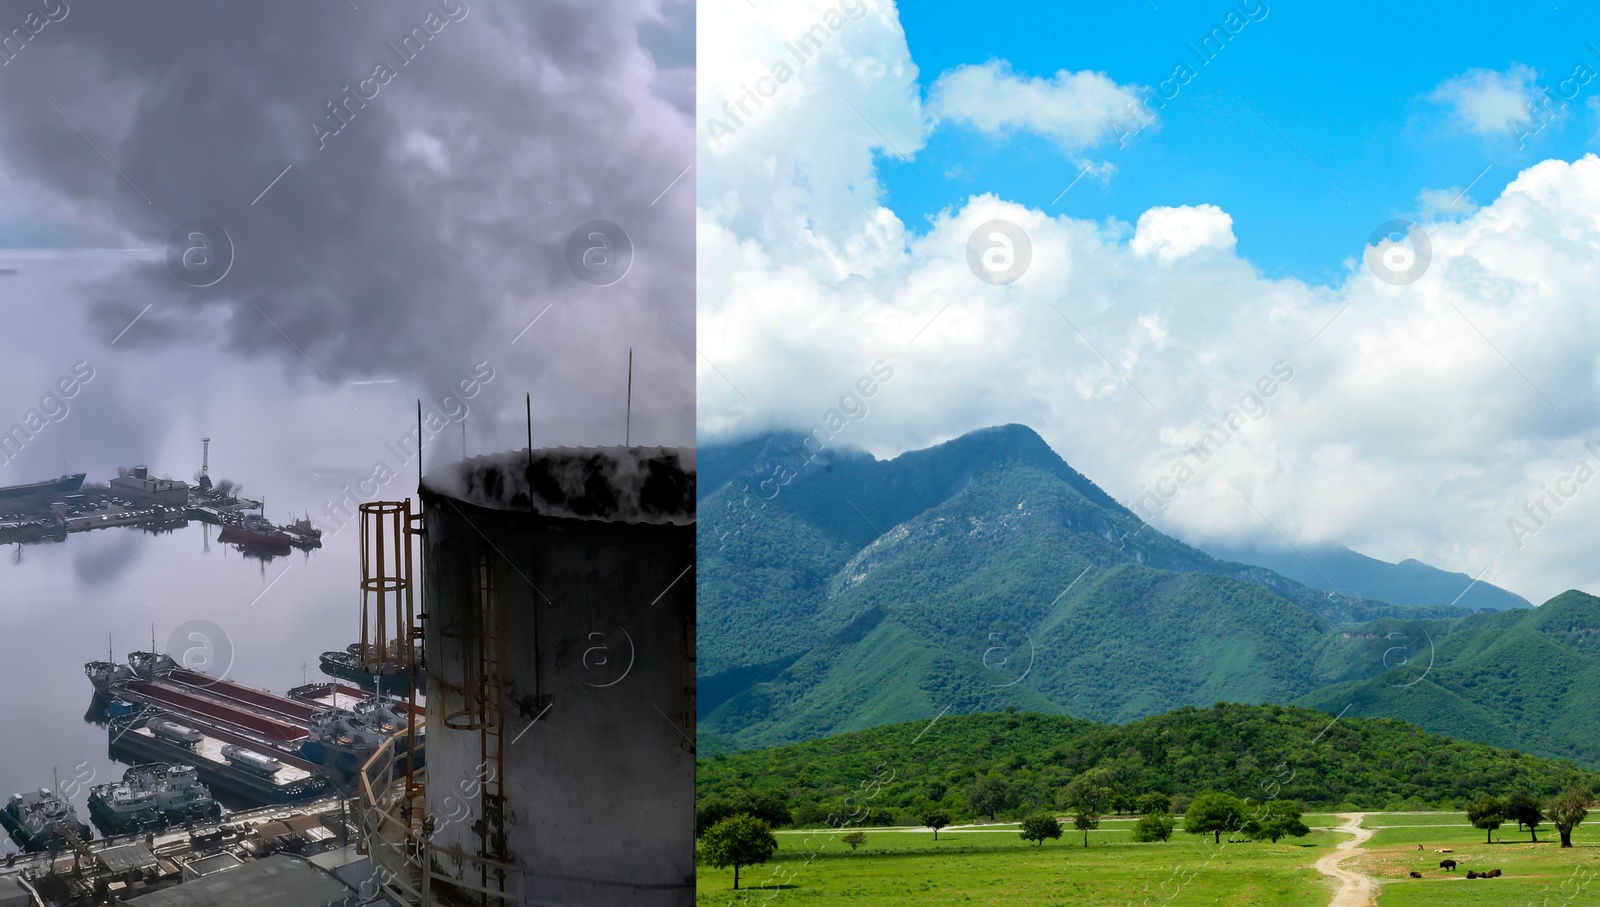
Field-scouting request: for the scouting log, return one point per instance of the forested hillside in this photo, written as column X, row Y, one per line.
column 1258, row 751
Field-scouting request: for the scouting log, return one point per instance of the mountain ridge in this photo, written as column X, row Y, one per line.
column 817, row 563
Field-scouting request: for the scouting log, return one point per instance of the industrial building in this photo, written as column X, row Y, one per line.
column 557, row 618
column 138, row 487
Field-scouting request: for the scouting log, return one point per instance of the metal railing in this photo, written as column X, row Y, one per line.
column 403, row 856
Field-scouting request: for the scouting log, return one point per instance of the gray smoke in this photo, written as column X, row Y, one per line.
column 403, row 240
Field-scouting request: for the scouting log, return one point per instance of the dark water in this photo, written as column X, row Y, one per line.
column 60, row 600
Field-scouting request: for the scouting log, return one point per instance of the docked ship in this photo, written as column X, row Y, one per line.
column 152, row 797
column 149, row 665
column 53, row 490
column 104, row 674
column 302, row 534
column 227, row 762
column 343, row 739
column 256, row 532
column 368, row 672
column 41, row 820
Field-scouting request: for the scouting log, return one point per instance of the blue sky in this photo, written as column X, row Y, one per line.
column 1351, row 92
column 1427, row 417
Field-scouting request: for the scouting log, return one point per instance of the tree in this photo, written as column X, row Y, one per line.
column 1487, row 813
column 988, row 796
column 1214, row 814
column 1153, row 803
column 1280, row 819
column 1153, row 827
column 855, row 839
column 1039, row 827
column 762, row 805
column 737, row 841
column 1522, row 807
column 1569, row 809
column 1088, row 796
column 936, row 819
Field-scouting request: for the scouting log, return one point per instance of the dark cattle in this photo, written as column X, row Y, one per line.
column 1448, row 865
column 1473, row 875
column 1493, row 874
column 1415, row 874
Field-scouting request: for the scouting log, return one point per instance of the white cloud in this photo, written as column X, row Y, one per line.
column 1404, row 431
column 1485, row 101
column 1075, row 109
column 1171, row 233
column 1444, row 204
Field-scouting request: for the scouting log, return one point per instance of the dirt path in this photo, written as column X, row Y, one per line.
column 1355, row 889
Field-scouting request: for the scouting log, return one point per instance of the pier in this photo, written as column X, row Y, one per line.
column 51, row 510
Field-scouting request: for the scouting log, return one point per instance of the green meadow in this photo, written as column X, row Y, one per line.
column 991, row 865
column 1533, row 874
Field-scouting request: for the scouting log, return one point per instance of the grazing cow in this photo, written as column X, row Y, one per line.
column 1448, row 865
column 1419, row 846
column 1473, row 875
column 1415, row 874
column 1494, row 874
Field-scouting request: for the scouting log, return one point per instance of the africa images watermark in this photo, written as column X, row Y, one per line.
column 52, row 408
column 337, row 513
column 1251, row 407
column 802, row 50
column 852, row 407
column 1541, row 510
column 33, row 23
column 1210, row 45
column 1551, row 102
column 343, row 110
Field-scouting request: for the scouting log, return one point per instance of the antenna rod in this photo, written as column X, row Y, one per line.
column 529, row 402
column 419, row 444
column 627, row 439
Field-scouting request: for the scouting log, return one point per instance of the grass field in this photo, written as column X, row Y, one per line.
column 1534, row 874
column 990, row 865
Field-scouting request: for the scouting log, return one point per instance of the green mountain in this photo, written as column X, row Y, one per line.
column 839, row 592
column 1525, row 678
column 1260, row 752
column 1410, row 582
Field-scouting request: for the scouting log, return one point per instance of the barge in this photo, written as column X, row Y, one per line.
column 227, row 762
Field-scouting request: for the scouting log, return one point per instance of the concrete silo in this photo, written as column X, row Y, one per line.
column 558, row 625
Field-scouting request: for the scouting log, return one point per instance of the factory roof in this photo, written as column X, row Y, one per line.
column 127, row 857
column 608, row 484
column 281, row 881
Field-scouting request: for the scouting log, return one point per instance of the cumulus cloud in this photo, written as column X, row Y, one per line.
column 1074, row 109
column 1420, row 420
column 1171, row 233
column 1484, row 101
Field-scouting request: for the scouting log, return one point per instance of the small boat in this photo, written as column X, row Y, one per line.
column 42, row 820
column 302, row 534
column 151, row 797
